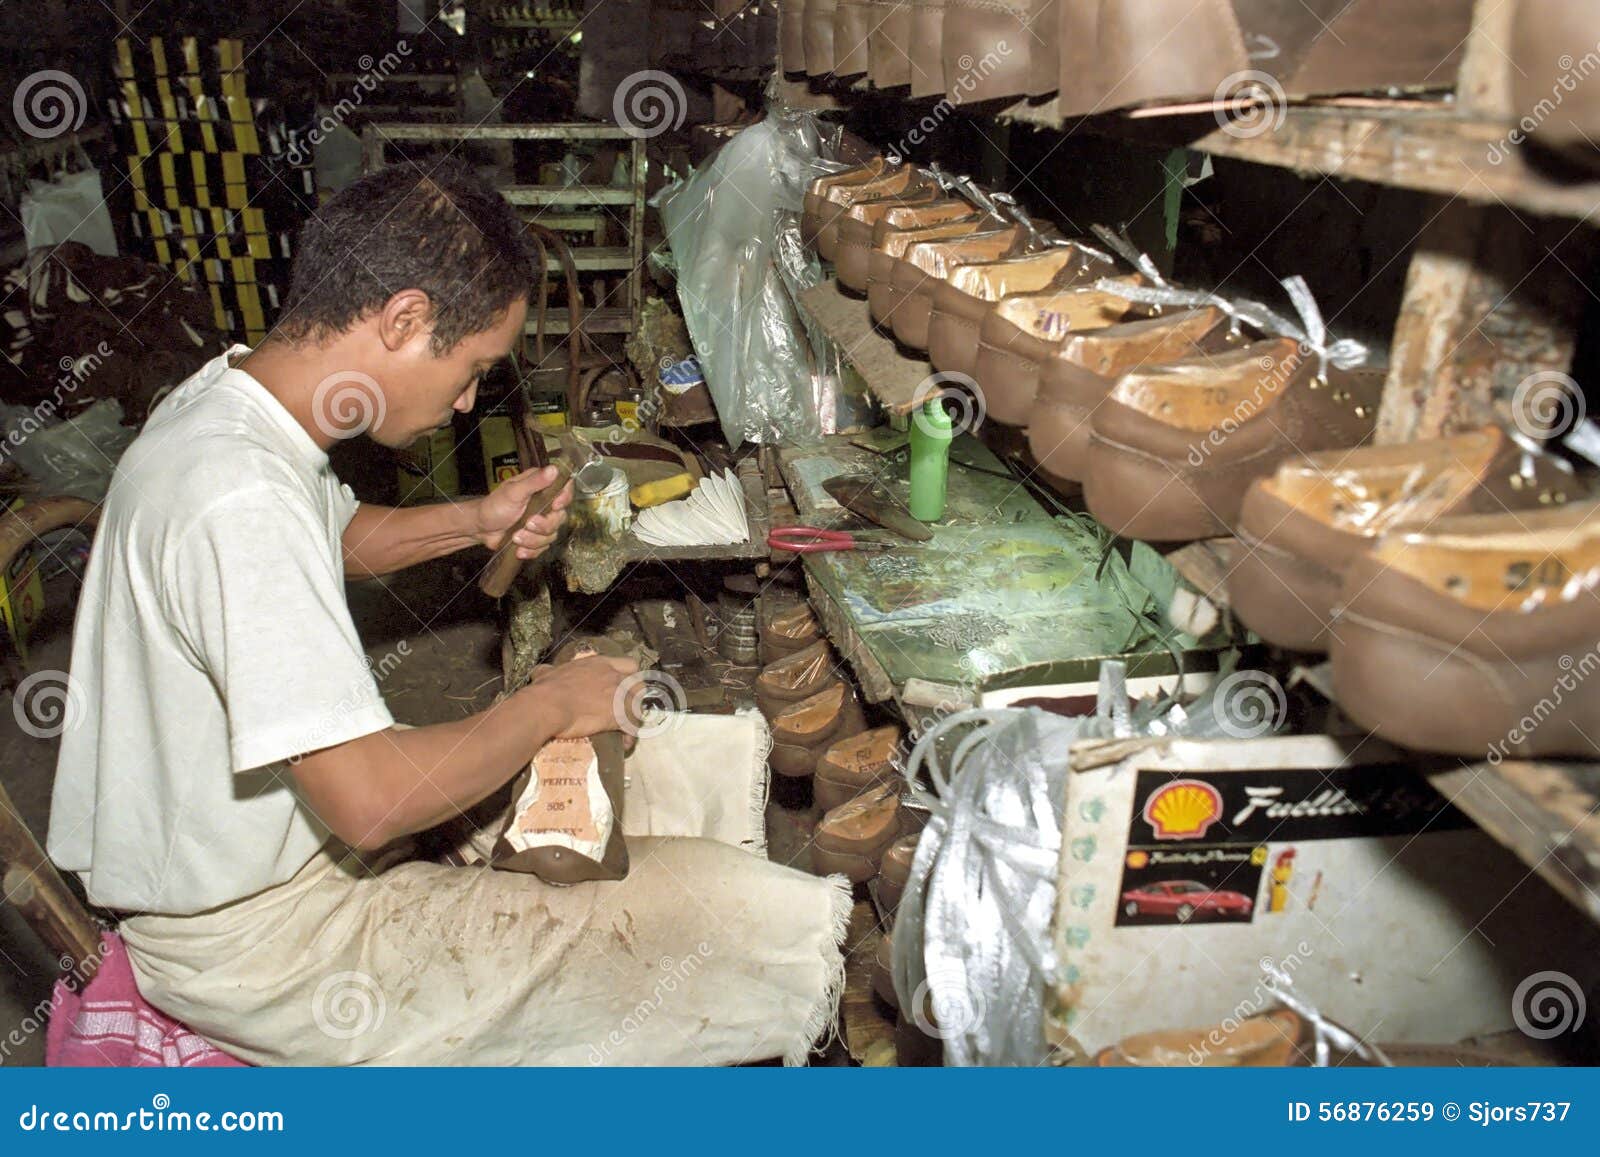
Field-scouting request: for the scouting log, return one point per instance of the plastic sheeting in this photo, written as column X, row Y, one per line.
column 972, row 948
column 735, row 238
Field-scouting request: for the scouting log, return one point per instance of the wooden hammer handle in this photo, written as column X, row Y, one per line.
column 504, row 567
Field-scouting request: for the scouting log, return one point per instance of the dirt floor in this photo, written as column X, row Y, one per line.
column 437, row 641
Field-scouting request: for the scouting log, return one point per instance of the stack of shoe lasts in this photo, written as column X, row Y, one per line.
column 867, row 225
column 1174, row 447
column 817, row 199
column 928, row 262
column 808, row 706
column 895, row 871
column 852, row 234
column 1074, row 382
column 906, row 181
column 1303, row 526
column 851, row 839
column 855, row 765
column 959, row 304
column 897, row 234
column 1024, row 331
column 1475, row 635
column 785, row 629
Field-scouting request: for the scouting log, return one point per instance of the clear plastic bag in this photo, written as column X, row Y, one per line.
column 76, row 457
column 733, row 230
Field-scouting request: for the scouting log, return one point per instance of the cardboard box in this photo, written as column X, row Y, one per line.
column 428, row 471
column 1189, row 862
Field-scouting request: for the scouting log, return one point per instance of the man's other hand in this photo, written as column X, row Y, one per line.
column 592, row 693
column 499, row 511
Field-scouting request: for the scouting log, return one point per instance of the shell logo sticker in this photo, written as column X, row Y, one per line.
column 1183, row 809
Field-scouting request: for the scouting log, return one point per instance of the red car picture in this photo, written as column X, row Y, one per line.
column 1183, row 899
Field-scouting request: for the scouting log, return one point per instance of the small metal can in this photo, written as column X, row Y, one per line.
column 601, row 492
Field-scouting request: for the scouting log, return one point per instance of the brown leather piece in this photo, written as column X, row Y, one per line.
column 1074, row 382
column 852, row 23
column 888, row 42
column 1304, row 524
column 817, row 24
column 851, row 839
column 791, row 35
column 1155, row 472
column 815, row 201
column 960, row 303
column 1022, row 332
column 985, row 48
column 1421, row 662
column 1542, row 37
column 927, row 32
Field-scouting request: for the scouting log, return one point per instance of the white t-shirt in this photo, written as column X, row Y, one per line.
column 213, row 642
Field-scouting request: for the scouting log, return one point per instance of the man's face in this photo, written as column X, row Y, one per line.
column 421, row 389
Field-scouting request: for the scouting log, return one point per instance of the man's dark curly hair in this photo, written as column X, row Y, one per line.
column 444, row 231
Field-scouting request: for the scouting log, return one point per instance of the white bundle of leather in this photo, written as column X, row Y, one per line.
column 714, row 515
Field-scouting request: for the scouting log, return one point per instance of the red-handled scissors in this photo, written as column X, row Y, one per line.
column 811, row 540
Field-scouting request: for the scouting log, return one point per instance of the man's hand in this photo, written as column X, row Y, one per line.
column 588, row 693
column 499, row 511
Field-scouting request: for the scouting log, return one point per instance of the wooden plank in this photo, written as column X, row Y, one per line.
column 1548, row 813
column 566, row 194
column 1490, row 299
column 554, row 131
column 592, row 321
column 31, row 883
column 893, row 378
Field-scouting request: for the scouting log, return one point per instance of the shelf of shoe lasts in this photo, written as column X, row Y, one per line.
column 628, row 259
column 892, row 377
column 755, row 548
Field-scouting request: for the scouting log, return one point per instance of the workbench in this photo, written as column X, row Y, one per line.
column 1004, row 595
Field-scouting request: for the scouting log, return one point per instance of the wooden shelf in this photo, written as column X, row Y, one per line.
column 892, row 377
column 567, row 195
column 592, row 321
column 1547, row 812
column 1426, row 146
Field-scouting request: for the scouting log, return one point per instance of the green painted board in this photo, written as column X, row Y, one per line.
column 1006, row 594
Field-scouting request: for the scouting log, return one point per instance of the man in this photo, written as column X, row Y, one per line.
column 238, row 792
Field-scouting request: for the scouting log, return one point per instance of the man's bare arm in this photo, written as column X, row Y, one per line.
column 392, row 783
column 383, row 539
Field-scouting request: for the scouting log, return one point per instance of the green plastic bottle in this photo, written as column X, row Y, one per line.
column 931, row 435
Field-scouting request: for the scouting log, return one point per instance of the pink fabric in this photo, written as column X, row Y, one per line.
column 109, row 1025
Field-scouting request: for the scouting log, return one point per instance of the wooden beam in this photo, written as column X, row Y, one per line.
column 33, row 886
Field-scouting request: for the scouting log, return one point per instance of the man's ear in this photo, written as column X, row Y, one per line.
column 405, row 317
